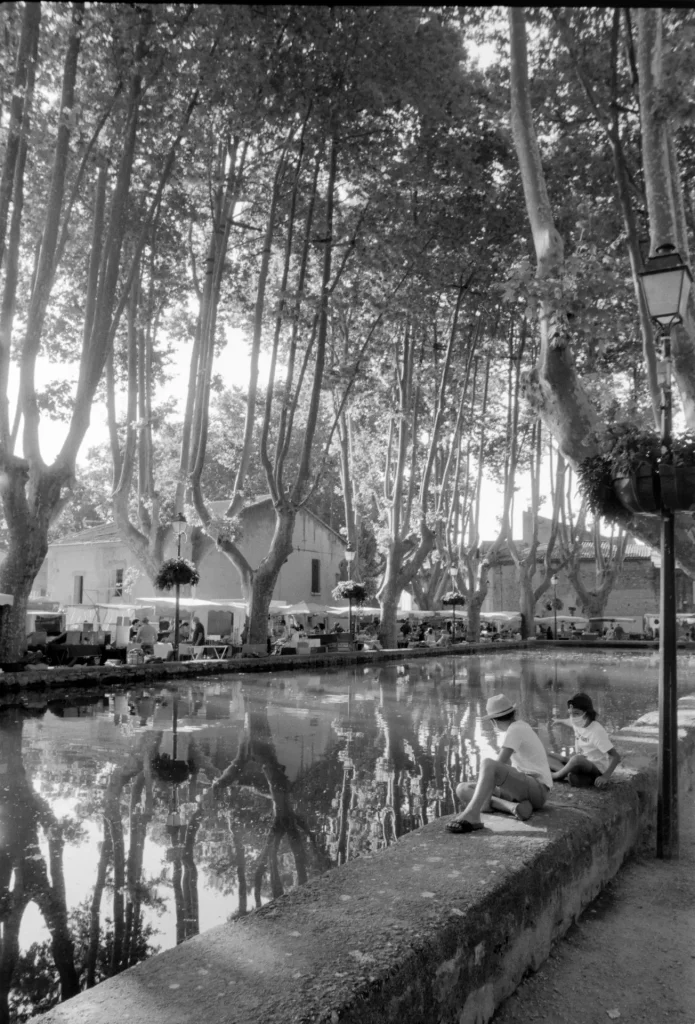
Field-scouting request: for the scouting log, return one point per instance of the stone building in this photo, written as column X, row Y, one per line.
column 95, row 565
column 635, row 593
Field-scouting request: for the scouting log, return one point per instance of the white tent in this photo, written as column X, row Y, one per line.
column 6, row 599
column 578, row 620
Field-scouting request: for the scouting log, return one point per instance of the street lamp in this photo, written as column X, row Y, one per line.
column 350, row 558
column 179, row 527
column 453, row 574
column 554, row 580
column 666, row 285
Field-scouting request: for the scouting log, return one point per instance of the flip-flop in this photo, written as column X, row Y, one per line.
column 460, row 828
column 523, row 810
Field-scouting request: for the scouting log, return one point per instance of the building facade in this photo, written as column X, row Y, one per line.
column 96, row 566
column 636, row 592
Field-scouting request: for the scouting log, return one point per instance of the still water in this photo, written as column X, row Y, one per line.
column 113, row 845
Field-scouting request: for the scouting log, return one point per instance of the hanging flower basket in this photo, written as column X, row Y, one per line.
column 176, row 571
column 677, row 487
column 454, row 598
column 622, row 476
column 350, row 590
column 639, row 491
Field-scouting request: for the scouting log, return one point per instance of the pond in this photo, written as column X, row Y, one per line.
column 112, row 846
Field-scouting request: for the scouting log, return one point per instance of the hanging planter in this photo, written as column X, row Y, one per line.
column 454, row 598
column 622, row 477
column 176, row 572
column 350, row 590
column 677, row 487
column 639, row 491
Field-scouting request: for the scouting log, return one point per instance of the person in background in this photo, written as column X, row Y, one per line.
column 198, row 637
column 147, row 636
column 134, row 627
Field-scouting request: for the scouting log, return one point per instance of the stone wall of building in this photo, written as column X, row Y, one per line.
column 635, row 594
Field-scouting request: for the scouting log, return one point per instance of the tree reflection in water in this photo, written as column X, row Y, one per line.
column 190, row 791
column 392, row 765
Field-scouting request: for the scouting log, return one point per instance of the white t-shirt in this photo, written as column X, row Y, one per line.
column 594, row 743
column 529, row 754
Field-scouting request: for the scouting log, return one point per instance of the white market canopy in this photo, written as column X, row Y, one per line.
column 547, row 619
column 6, row 600
column 200, row 602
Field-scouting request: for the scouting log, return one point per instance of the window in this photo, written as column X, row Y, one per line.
column 118, row 585
column 77, row 589
column 315, row 575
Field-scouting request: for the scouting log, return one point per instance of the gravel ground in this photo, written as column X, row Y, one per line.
column 631, row 956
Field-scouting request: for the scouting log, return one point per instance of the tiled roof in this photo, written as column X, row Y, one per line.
column 634, row 549
column 219, row 508
column 106, row 533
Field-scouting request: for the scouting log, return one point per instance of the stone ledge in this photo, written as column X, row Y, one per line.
column 110, row 675
column 437, row 927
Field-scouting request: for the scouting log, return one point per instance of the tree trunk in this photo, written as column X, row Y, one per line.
column 266, row 576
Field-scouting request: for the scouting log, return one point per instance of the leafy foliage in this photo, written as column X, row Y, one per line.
column 454, row 598
column 350, row 590
column 176, row 571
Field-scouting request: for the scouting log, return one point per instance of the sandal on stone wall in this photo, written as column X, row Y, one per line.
column 460, row 828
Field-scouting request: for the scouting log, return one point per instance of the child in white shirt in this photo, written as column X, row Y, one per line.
column 596, row 758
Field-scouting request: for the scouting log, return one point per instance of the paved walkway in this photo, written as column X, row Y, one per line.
column 631, row 956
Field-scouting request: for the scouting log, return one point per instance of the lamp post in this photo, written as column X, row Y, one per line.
column 554, row 581
column 350, row 558
column 665, row 285
column 179, row 528
column 453, row 574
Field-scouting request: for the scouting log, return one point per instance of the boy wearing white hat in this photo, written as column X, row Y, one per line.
column 517, row 782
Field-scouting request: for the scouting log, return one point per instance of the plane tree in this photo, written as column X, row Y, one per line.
column 642, row 55
column 86, row 124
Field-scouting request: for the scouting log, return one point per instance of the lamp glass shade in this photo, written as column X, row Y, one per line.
column 666, row 283
column 349, row 554
column 453, row 571
column 179, row 524
column 554, row 580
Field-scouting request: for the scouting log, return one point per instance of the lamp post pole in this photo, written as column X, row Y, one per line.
column 666, row 282
column 667, row 797
column 453, row 573
column 554, row 580
column 350, row 558
column 179, row 525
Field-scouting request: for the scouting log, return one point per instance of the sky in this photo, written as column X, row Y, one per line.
column 231, row 363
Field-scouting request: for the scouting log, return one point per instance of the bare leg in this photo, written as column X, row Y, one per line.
column 576, row 763
column 480, row 801
column 556, row 761
column 465, row 792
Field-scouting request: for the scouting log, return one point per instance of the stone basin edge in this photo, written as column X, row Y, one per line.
column 434, row 928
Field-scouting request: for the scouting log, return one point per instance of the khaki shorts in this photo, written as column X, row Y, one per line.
column 514, row 785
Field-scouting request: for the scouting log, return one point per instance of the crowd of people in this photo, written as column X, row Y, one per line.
column 146, row 634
